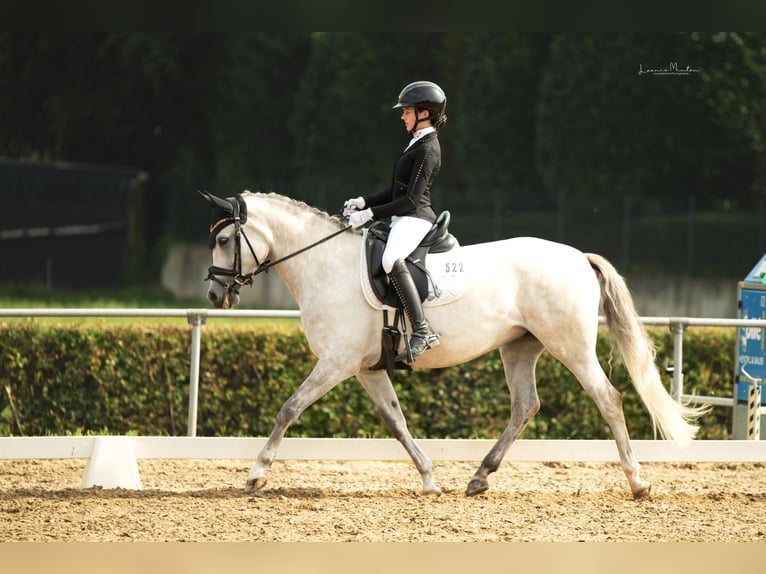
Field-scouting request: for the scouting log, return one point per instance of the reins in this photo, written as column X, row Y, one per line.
column 264, row 268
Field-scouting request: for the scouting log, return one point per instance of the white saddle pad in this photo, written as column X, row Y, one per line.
column 448, row 271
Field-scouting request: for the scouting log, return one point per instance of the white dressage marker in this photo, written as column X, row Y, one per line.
column 112, row 464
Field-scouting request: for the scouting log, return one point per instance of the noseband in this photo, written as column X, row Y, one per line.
column 237, row 216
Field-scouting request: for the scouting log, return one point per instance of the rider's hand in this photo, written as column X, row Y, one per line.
column 359, row 218
column 352, row 205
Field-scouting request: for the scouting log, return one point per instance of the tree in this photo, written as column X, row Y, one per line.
column 346, row 133
column 495, row 128
column 733, row 73
column 256, row 96
column 606, row 130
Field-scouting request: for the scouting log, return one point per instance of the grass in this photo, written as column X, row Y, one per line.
column 33, row 297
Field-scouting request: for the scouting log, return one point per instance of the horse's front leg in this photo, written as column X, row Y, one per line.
column 379, row 387
column 324, row 377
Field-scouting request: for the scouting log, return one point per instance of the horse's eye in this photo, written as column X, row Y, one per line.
column 222, row 241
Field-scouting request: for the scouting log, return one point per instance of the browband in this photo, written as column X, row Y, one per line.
column 223, row 215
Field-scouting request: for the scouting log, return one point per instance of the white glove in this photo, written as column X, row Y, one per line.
column 359, row 218
column 352, row 205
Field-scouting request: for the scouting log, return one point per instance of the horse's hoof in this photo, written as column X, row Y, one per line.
column 435, row 491
column 254, row 484
column 642, row 492
column 477, row 486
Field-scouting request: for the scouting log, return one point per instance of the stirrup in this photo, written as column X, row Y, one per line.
column 429, row 341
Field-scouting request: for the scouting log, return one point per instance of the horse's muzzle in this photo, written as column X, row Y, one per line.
column 221, row 297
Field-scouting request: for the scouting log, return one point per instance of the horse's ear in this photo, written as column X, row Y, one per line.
column 216, row 201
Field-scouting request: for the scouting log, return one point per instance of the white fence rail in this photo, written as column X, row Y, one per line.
column 385, row 449
column 198, row 317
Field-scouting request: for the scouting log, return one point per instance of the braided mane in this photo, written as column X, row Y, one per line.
column 303, row 206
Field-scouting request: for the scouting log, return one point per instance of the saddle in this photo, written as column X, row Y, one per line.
column 437, row 240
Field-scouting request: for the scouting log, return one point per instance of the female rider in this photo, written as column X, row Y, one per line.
column 408, row 201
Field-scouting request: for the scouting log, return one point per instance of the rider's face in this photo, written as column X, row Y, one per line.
column 409, row 117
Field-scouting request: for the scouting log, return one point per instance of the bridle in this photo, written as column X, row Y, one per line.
column 237, row 216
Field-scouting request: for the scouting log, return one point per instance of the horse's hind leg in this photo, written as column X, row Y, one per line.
column 609, row 403
column 325, row 375
column 379, row 387
column 519, row 360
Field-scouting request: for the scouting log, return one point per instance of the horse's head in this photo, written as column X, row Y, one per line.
column 234, row 264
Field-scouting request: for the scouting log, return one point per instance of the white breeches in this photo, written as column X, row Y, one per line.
column 406, row 234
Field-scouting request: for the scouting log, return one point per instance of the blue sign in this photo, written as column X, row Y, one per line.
column 751, row 341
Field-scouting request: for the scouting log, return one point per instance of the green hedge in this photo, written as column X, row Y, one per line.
column 59, row 380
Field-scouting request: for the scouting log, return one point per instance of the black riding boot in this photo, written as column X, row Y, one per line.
column 423, row 337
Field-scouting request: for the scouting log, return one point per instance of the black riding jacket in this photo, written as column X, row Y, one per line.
column 410, row 191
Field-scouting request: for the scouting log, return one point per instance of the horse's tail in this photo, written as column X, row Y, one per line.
column 674, row 419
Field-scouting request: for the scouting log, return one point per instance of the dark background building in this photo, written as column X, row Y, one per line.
column 68, row 225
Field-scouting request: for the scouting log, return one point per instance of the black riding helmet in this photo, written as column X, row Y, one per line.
column 423, row 95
